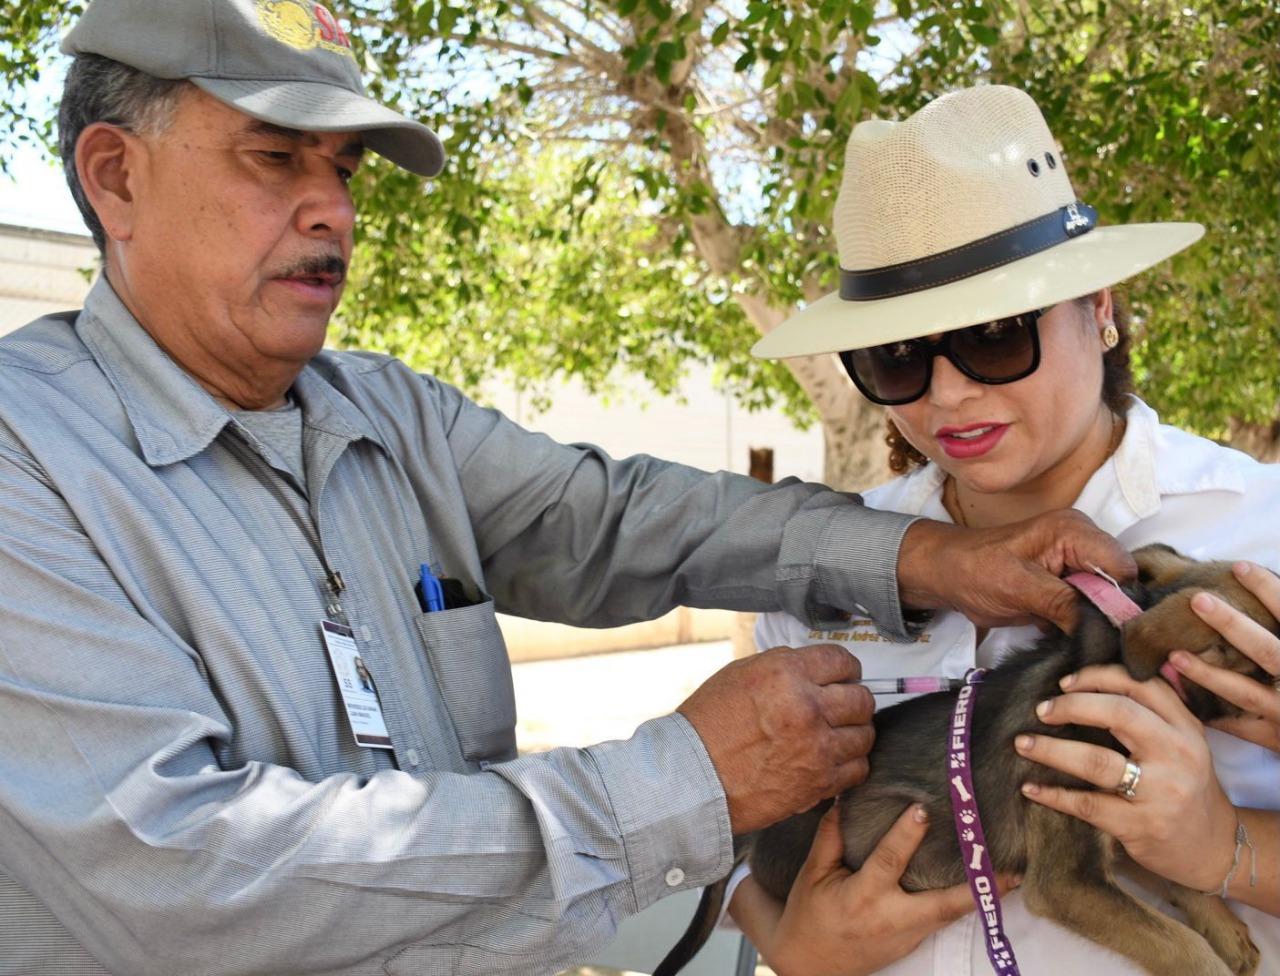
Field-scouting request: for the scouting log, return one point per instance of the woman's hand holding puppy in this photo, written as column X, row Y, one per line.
column 1179, row 822
column 1261, row 701
column 841, row 923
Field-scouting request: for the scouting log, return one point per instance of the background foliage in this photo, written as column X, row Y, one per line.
column 635, row 185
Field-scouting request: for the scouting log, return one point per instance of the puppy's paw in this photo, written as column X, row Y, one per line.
column 1225, row 933
column 1237, row 950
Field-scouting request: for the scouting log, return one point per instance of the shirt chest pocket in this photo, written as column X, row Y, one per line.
column 469, row 659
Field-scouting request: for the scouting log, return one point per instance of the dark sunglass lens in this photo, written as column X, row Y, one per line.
column 893, row 373
column 1000, row 350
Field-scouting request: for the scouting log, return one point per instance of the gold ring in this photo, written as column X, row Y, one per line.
column 1128, row 787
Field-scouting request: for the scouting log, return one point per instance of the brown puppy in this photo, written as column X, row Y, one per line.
column 1067, row 865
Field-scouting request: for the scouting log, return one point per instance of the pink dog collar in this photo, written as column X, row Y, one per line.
column 1105, row 594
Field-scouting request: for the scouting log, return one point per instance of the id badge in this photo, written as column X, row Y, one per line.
column 359, row 695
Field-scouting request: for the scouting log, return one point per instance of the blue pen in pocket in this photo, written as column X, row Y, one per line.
column 430, row 595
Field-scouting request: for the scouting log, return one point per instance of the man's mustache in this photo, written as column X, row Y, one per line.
column 330, row 268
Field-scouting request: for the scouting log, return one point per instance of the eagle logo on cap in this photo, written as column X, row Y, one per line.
column 303, row 26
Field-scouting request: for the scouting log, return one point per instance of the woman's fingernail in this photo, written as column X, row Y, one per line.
column 1023, row 743
column 920, row 814
column 1030, row 789
column 1044, row 708
column 1204, row 603
column 1067, row 682
column 1242, row 569
column 1180, row 659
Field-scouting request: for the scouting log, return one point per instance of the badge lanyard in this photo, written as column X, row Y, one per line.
column 351, row 674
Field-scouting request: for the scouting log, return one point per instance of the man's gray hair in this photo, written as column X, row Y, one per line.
column 99, row 89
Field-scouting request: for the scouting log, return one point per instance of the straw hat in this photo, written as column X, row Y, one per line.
column 961, row 214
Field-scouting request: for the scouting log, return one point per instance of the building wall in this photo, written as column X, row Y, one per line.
column 42, row 271
column 702, row 427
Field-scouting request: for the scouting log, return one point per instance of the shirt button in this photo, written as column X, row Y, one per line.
column 412, row 756
column 675, row 878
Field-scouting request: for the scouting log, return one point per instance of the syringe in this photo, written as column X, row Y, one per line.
column 920, row 685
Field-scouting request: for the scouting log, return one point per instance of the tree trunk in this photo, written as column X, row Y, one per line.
column 855, row 457
column 1260, row 440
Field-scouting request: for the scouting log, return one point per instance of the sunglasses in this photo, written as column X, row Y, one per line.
column 994, row 352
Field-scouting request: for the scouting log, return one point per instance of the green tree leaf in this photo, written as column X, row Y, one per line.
column 637, row 186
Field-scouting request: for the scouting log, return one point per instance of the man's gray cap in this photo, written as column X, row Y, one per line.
column 287, row 62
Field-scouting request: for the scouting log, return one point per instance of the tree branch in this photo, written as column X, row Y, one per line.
column 628, row 141
column 712, row 109
column 539, row 16
column 682, row 69
column 497, row 44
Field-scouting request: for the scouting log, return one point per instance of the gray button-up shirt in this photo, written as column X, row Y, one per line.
column 180, row 792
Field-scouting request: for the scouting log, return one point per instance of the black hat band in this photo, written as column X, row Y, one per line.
column 970, row 259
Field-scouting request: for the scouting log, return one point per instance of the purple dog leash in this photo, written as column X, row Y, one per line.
column 1107, row 596
column 973, row 843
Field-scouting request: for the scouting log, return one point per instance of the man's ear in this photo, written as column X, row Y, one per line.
column 108, row 159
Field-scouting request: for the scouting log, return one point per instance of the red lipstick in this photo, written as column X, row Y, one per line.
column 970, row 440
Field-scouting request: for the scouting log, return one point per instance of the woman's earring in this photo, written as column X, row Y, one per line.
column 1111, row 336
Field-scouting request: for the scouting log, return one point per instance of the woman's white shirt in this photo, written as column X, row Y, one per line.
column 1162, row 484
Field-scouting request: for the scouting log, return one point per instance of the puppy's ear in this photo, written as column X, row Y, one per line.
column 1159, row 564
column 1171, row 624
column 1168, row 626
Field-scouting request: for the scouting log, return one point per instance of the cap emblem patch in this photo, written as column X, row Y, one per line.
column 303, row 26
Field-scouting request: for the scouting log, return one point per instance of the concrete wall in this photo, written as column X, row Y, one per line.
column 42, row 271
column 536, row 640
